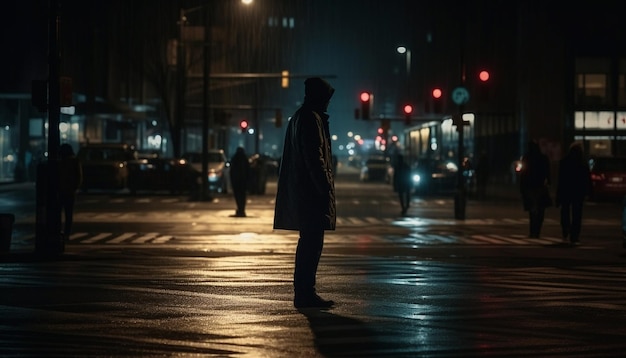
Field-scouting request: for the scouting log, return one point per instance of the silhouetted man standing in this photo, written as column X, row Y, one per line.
column 239, row 171
column 402, row 183
column 305, row 198
column 70, row 179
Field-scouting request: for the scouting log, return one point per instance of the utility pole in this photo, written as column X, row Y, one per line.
column 460, row 196
column 48, row 237
column 206, row 117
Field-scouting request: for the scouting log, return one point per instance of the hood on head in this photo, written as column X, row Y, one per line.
column 317, row 92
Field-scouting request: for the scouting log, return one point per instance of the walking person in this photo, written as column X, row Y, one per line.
column 305, row 198
column 402, row 183
column 535, row 187
column 574, row 184
column 70, row 180
column 239, row 176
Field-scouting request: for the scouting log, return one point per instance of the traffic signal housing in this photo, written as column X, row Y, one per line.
column 408, row 110
column 366, row 105
column 243, row 126
column 437, row 97
column 483, row 85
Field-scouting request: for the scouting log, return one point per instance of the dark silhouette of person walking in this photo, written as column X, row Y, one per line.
column 70, row 180
column 239, row 175
column 305, row 198
column 535, row 187
column 402, row 183
column 574, row 184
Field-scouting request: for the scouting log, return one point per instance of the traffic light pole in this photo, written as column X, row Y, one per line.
column 460, row 196
column 48, row 240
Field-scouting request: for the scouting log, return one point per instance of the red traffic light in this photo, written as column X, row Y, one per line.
column 483, row 75
column 243, row 126
column 437, row 93
column 408, row 109
column 366, row 105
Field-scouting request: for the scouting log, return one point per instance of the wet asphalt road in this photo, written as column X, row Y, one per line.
column 229, row 295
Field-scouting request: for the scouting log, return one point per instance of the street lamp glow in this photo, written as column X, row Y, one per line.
column 404, row 50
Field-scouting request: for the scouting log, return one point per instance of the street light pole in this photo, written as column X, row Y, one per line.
column 206, row 121
column 48, row 239
column 407, row 54
column 180, row 68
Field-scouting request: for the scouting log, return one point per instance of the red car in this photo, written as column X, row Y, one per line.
column 608, row 177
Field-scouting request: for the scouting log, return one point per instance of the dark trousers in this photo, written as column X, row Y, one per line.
column 67, row 205
column 571, row 220
column 240, row 199
column 535, row 202
column 308, row 255
column 535, row 217
column 405, row 200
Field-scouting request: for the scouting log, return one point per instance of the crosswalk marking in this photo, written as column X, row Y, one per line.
column 162, row 239
column 145, row 238
column 507, row 239
column 77, row 235
column 485, row 238
column 121, row 238
column 265, row 217
column 425, row 239
column 97, row 237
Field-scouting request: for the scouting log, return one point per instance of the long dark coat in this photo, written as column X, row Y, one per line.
column 535, row 178
column 239, row 170
column 306, row 189
column 574, row 181
column 401, row 176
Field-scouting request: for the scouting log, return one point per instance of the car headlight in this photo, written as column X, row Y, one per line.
column 214, row 176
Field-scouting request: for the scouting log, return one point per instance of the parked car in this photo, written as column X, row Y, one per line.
column 105, row 165
column 608, row 177
column 376, row 168
column 218, row 168
column 153, row 173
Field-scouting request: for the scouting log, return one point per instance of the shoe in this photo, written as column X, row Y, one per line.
column 575, row 243
column 311, row 301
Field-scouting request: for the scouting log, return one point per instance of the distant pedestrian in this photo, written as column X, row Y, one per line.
column 535, row 187
column 239, row 172
column 70, row 180
column 574, row 184
column 402, row 183
column 305, row 198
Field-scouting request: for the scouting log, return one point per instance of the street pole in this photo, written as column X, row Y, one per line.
column 255, row 114
column 181, row 83
column 460, row 196
column 206, row 74
column 50, row 241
